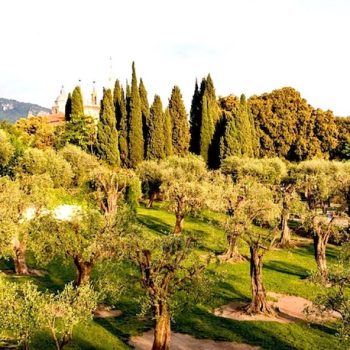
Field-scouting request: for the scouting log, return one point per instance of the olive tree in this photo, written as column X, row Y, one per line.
column 63, row 311
column 224, row 197
column 318, row 181
column 108, row 188
column 87, row 237
column 184, row 187
column 151, row 175
column 256, row 208
column 25, row 310
column 273, row 173
column 170, row 271
column 20, row 307
column 37, row 162
column 82, row 164
column 336, row 297
column 19, row 199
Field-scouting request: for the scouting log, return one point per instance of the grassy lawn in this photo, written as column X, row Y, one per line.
column 285, row 271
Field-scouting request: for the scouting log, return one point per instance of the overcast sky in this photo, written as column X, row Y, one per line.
column 248, row 46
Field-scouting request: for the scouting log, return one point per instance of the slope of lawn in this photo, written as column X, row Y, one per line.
column 285, row 271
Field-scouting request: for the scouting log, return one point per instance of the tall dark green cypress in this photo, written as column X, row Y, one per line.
column 77, row 103
column 180, row 128
column 195, row 121
column 116, row 99
column 135, row 137
column 214, row 153
column 145, row 113
column 168, row 147
column 156, row 140
column 209, row 116
column 207, row 128
column 68, row 109
column 107, row 134
column 245, row 129
column 121, row 121
column 229, row 144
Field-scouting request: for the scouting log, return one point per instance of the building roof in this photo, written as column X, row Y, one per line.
column 54, row 119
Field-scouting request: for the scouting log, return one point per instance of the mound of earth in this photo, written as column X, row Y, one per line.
column 186, row 342
column 288, row 308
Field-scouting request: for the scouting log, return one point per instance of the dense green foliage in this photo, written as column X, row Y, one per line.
column 289, row 127
column 135, row 135
column 122, row 122
column 107, row 135
column 178, row 118
column 168, row 145
column 156, row 127
column 68, row 108
column 77, row 106
column 195, row 120
column 145, row 114
column 82, row 217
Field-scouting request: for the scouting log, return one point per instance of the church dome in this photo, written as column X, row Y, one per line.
column 62, row 97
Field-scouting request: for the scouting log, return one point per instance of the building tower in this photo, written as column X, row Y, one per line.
column 60, row 102
column 93, row 94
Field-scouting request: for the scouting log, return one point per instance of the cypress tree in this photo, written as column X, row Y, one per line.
column 206, row 132
column 107, row 134
column 116, row 100
column 68, row 109
column 135, row 136
column 214, row 156
column 229, row 144
column 145, row 113
column 121, row 122
column 195, row 121
column 209, row 116
column 77, row 103
column 167, row 134
column 245, row 131
column 180, row 129
column 156, row 140
column 128, row 95
column 123, row 131
column 255, row 137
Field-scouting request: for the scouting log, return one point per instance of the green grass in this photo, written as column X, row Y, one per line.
column 285, row 271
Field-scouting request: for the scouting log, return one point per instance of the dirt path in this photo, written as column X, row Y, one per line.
column 186, row 342
column 103, row 311
column 288, row 308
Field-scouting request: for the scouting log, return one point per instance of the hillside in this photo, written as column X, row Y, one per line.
column 12, row 110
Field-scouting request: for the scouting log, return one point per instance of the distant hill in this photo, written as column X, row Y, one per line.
column 13, row 110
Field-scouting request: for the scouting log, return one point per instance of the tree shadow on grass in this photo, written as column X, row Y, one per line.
column 128, row 324
column 323, row 328
column 308, row 250
column 286, row 268
column 155, row 224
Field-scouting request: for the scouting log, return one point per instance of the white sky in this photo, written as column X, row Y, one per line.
column 248, row 46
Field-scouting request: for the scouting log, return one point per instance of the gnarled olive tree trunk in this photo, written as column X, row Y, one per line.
column 180, row 216
column 83, row 272
column 162, row 331
column 152, row 197
column 19, row 258
column 322, row 229
column 258, row 304
column 232, row 252
column 285, row 239
column 320, row 245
